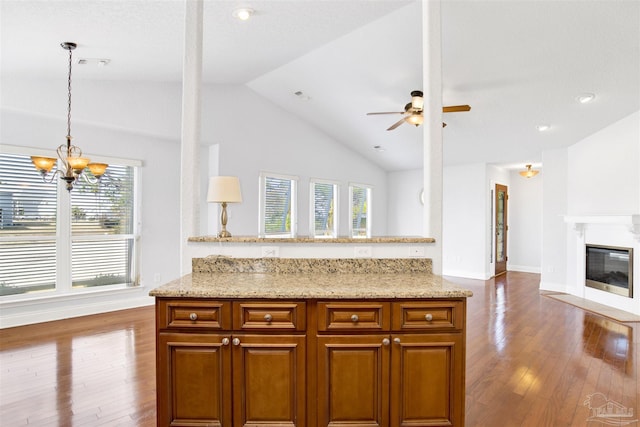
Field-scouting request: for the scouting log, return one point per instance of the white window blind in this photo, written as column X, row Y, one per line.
column 28, row 209
column 324, row 208
column 102, row 224
column 101, row 220
column 278, row 205
column 360, row 196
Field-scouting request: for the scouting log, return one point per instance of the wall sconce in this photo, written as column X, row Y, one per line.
column 224, row 189
column 529, row 173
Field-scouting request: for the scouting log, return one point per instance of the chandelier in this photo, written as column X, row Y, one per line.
column 73, row 164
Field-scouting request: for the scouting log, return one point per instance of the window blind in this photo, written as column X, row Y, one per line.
column 324, row 206
column 359, row 211
column 28, row 209
column 277, row 210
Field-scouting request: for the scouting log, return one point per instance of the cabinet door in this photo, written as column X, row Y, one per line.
column 427, row 380
column 194, row 380
column 269, row 386
column 353, row 380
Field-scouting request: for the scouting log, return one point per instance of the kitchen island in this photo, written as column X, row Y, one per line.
column 310, row 342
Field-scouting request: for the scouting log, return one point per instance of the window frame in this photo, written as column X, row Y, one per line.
column 262, row 205
column 312, row 208
column 64, row 237
column 369, row 199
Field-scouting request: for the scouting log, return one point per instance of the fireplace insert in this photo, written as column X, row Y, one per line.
column 610, row 269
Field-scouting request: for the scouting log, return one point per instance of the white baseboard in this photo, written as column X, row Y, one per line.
column 523, row 268
column 30, row 311
column 553, row 287
column 466, row 274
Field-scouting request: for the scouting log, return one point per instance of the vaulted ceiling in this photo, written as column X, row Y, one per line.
column 519, row 64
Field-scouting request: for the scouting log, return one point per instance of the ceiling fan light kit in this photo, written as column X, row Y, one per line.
column 414, row 111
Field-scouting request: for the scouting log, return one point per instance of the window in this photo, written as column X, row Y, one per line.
column 324, row 208
column 360, row 199
column 278, row 205
column 55, row 241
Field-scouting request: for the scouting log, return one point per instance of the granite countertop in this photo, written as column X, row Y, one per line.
column 311, row 285
column 320, row 240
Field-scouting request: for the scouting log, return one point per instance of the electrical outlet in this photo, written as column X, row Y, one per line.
column 362, row 251
column 416, row 251
column 270, row 252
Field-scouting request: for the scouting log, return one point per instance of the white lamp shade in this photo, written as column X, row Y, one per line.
column 224, row 189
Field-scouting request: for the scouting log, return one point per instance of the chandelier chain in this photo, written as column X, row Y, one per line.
column 69, row 99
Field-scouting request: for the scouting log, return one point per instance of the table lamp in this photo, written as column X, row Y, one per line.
column 224, row 189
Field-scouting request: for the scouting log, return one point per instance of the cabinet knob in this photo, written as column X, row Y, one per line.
column 354, row 318
column 193, row 316
column 236, row 341
column 428, row 317
column 386, row 341
column 396, row 340
column 225, row 341
column 268, row 317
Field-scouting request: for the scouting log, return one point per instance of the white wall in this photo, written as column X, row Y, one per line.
column 604, row 171
column 525, row 223
column 554, row 231
column 263, row 137
column 405, row 211
column 465, row 219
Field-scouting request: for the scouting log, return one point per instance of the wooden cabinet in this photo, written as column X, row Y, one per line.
column 412, row 375
column 310, row 363
column 213, row 372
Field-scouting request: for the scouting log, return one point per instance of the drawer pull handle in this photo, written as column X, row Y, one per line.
column 268, row 317
column 396, row 340
column 225, row 341
column 236, row 341
column 428, row 317
column 386, row 341
column 354, row 318
column 193, row 316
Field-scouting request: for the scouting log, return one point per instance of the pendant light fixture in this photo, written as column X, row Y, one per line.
column 529, row 173
column 70, row 156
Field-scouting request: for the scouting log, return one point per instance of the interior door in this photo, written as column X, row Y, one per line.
column 501, row 229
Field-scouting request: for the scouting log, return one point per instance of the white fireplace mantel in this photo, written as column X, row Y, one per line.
column 632, row 222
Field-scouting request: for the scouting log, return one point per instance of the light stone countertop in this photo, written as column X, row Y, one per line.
column 311, row 286
column 319, row 240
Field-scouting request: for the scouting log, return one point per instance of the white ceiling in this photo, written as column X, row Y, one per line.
column 517, row 63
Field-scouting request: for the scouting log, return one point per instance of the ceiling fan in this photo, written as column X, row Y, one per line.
column 412, row 113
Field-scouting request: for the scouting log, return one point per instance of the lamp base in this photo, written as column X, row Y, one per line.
column 224, row 233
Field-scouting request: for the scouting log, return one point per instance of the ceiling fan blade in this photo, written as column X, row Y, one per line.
column 455, row 108
column 396, row 124
column 386, row 112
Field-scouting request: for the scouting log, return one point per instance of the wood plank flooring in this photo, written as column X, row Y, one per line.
column 531, row 361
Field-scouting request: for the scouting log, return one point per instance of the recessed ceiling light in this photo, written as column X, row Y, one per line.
column 243, row 13
column 378, row 148
column 94, row 61
column 584, row 98
column 301, row 95
column 543, row 127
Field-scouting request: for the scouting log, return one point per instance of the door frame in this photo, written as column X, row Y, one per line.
column 500, row 267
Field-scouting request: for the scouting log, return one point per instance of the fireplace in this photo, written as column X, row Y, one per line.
column 610, row 269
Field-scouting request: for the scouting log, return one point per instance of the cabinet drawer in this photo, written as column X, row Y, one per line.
column 290, row 316
column 194, row 314
column 426, row 315
column 344, row 316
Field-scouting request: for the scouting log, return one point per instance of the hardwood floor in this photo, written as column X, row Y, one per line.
column 531, row 361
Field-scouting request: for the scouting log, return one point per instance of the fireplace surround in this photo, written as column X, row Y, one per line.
column 609, row 231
